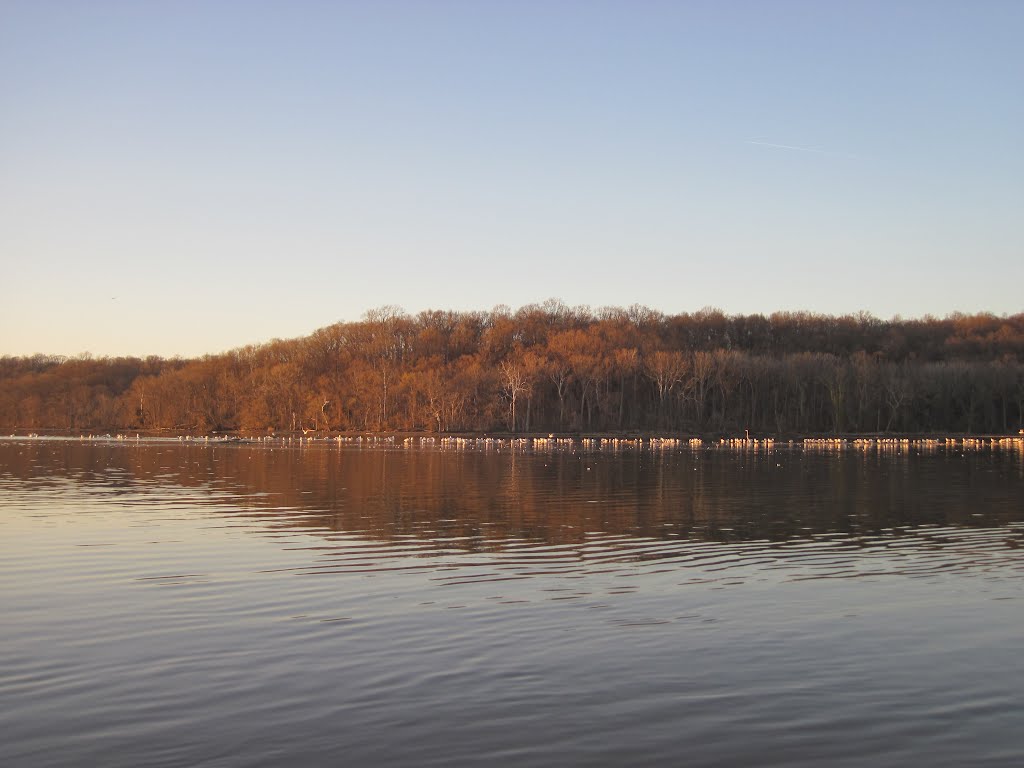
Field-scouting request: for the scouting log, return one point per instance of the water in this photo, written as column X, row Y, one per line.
column 235, row 605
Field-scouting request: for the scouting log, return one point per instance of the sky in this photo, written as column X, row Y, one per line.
column 182, row 178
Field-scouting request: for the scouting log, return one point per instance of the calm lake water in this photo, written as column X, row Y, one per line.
column 237, row 605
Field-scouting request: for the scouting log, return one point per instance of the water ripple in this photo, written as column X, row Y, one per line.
column 168, row 605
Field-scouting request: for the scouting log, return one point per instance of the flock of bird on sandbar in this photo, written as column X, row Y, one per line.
column 598, row 444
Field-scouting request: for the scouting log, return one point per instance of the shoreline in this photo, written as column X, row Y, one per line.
column 636, row 438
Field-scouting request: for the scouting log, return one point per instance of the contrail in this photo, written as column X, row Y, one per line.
column 795, row 148
column 789, row 146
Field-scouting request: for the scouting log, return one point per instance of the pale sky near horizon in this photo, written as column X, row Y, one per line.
column 188, row 177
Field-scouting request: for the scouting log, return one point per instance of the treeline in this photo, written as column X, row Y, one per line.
column 555, row 368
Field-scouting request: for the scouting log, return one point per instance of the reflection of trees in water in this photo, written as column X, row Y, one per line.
column 470, row 500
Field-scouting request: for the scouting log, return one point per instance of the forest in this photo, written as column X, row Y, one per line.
column 554, row 368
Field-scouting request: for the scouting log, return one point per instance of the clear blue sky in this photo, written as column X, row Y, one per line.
column 186, row 177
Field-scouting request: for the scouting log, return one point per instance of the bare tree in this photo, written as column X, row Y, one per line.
column 515, row 384
column 666, row 370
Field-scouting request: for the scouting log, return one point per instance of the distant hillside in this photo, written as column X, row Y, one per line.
column 552, row 367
